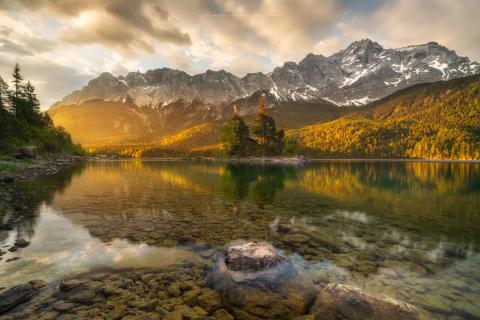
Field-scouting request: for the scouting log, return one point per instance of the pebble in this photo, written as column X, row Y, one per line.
column 12, row 259
column 22, row 243
column 67, row 285
column 62, row 306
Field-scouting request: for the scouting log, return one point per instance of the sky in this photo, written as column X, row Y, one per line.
column 61, row 44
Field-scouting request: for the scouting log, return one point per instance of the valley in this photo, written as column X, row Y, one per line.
column 363, row 101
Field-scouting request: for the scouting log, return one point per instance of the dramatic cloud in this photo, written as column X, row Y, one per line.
column 62, row 43
column 454, row 24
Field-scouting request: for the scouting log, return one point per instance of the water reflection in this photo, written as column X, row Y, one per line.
column 266, row 180
column 29, row 196
column 406, row 229
column 60, row 248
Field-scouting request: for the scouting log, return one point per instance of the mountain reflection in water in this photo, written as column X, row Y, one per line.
column 409, row 230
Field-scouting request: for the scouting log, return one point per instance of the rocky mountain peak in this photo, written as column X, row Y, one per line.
column 362, row 72
column 105, row 79
column 364, row 44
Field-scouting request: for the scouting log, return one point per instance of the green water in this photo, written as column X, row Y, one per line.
column 409, row 230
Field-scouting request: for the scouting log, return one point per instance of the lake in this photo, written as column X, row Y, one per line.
column 408, row 230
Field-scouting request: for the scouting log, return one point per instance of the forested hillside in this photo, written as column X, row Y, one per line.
column 199, row 140
column 439, row 120
column 22, row 123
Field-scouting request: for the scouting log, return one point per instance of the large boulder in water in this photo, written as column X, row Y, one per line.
column 253, row 262
column 255, row 280
column 337, row 301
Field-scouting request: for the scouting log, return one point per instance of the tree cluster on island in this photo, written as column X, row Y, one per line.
column 266, row 139
column 22, row 123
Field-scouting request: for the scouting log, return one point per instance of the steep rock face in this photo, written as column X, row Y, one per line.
column 363, row 72
column 104, row 87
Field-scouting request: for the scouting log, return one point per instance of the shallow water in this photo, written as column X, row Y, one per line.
column 409, row 230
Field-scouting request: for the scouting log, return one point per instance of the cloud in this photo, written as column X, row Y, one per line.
column 329, row 46
column 50, row 79
column 129, row 26
column 251, row 36
column 19, row 43
column 86, row 37
column 403, row 22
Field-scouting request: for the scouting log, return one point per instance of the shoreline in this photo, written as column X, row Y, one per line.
column 283, row 160
column 24, row 170
column 14, row 207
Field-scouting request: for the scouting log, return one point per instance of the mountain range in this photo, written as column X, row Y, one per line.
column 146, row 106
column 361, row 73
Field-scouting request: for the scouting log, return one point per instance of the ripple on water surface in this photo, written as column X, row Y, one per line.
column 407, row 230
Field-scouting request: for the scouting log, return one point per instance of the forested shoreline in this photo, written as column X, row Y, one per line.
column 22, row 123
column 433, row 121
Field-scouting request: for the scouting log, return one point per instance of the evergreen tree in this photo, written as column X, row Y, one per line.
column 235, row 135
column 17, row 81
column 22, row 123
column 3, row 95
column 6, row 118
column 270, row 141
column 31, row 97
column 31, row 104
column 16, row 96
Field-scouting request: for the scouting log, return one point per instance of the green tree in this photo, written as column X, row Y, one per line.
column 17, row 81
column 22, row 123
column 3, row 95
column 31, row 105
column 269, row 139
column 6, row 118
column 16, row 95
column 235, row 135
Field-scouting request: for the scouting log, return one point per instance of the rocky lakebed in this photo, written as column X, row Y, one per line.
column 148, row 240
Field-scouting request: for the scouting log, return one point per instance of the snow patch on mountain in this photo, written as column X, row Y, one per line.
column 359, row 101
column 350, row 80
column 439, row 66
column 359, row 74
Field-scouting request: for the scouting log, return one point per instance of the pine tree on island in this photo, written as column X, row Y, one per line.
column 268, row 141
column 235, row 136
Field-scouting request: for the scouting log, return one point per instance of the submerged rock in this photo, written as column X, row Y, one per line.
column 22, row 243
column 255, row 281
column 19, row 294
column 252, row 257
column 336, row 301
column 12, row 259
column 67, row 285
column 253, row 261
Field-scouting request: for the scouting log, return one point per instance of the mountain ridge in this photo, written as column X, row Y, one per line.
column 436, row 120
column 362, row 72
column 439, row 120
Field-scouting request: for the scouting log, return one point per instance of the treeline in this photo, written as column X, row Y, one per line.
column 433, row 121
column 266, row 141
column 22, row 123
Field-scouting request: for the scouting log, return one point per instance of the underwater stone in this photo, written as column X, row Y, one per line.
column 253, row 261
column 337, row 301
column 252, row 257
column 19, row 294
